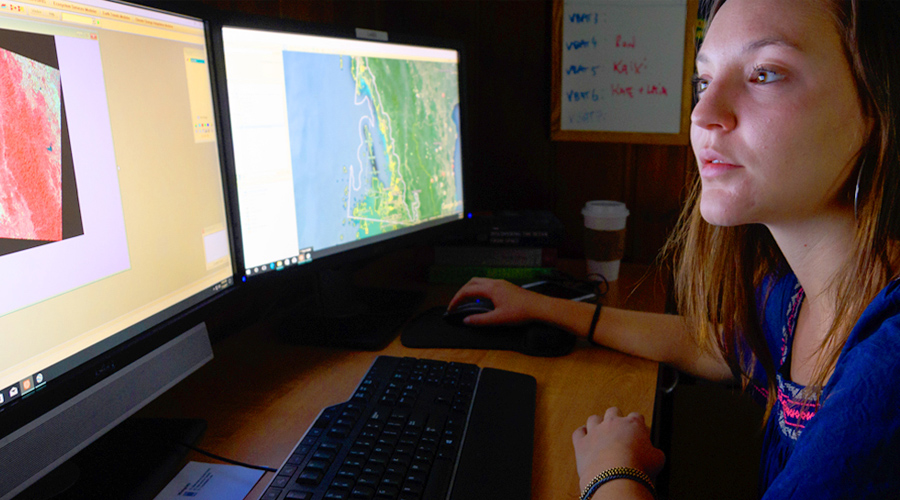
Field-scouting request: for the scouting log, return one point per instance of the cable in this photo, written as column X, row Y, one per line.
column 600, row 284
column 594, row 283
column 228, row 460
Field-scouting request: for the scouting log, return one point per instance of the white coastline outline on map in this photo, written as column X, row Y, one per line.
column 359, row 151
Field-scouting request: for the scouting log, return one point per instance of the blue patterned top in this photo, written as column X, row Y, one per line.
column 849, row 447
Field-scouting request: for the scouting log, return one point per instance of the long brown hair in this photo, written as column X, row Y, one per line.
column 719, row 269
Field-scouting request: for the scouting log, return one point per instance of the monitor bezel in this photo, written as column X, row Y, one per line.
column 24, row 410
column 360, row 251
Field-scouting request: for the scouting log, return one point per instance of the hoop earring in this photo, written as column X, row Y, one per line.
column 856, row 191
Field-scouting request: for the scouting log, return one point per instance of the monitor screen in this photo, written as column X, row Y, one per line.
column 338, row 142
column 112, row 211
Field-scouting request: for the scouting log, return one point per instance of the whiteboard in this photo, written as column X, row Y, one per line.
column 622, row 67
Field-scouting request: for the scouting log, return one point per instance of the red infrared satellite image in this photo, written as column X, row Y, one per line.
column 30, row 149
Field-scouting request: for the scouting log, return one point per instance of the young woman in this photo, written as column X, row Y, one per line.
column 787, row 253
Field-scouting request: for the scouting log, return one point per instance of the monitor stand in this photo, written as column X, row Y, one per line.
column 133, row 461
column 346, row 316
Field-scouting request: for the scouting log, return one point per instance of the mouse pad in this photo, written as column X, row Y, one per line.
column 429, row 330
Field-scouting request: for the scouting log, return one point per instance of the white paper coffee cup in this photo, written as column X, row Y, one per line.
column 604, row 237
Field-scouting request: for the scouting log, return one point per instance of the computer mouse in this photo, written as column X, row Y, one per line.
column 465, row 309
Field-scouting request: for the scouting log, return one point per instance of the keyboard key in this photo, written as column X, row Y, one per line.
column 416, row 477
column 280, row 481
column 401, row 461
column 359, row 452
column 271, row 494
column 389, row 438
column 318, row 465
column 363, row 492
column 404, row 449
column 370, row 480
column 387, row 492
column 349, row 472
column 310, row 477
column 392, row 479
column 395, row 468
column 339, row 431
column 343, row 483
column 412, row 488
column 373, row 468
column 420, row 466
column 287, row 470
column 364, row 442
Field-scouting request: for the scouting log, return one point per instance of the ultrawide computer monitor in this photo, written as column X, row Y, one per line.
column 113, row 228
column 339, row 142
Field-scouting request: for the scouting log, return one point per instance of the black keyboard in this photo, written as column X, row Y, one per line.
column 418, row 429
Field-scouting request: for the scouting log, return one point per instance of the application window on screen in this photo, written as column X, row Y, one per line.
column 113, row 208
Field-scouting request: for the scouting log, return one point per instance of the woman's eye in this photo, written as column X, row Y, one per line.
column 763, row 75
column 700, row 84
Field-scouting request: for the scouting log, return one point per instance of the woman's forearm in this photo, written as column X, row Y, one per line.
column 659, row 337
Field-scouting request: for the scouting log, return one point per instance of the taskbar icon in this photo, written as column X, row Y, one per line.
column 303, row 257
column 22, row 388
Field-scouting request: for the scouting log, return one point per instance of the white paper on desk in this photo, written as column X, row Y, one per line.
column 200, row 481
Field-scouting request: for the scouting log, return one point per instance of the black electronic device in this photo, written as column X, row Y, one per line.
column 341, row 144
column 511, row 228
column 467, row 308
column 419, row 428
column 114, row 229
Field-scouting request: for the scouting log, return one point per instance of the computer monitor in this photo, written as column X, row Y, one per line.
column 339, row 144
column 113, row 224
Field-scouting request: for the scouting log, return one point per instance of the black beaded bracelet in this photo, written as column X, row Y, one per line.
column 590, row 335
column 618, row 473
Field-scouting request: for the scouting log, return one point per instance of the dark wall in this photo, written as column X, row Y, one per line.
column 513, row 163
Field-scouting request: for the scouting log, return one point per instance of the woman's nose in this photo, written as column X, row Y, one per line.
column 716, row 108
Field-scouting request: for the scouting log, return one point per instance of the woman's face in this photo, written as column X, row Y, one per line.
column 778, row 123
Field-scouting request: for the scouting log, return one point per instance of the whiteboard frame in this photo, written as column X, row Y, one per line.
column 681, row 138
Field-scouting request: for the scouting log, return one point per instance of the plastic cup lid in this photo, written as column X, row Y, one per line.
column 605, row 208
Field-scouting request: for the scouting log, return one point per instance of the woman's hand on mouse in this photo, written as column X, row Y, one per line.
column 512, row 304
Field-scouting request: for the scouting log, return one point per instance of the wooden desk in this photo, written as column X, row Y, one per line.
column 259, row 395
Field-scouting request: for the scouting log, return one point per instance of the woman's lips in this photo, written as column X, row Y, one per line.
column 714, row 164
column 710, row 169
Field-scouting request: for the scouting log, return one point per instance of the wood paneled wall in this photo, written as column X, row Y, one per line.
column 513, row 164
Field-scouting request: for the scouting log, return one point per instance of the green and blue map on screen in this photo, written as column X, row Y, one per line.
column 374, row 144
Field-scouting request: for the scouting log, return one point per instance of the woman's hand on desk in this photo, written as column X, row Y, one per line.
column 615, row 441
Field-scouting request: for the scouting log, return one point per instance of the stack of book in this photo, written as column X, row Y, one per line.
column 517, row 246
